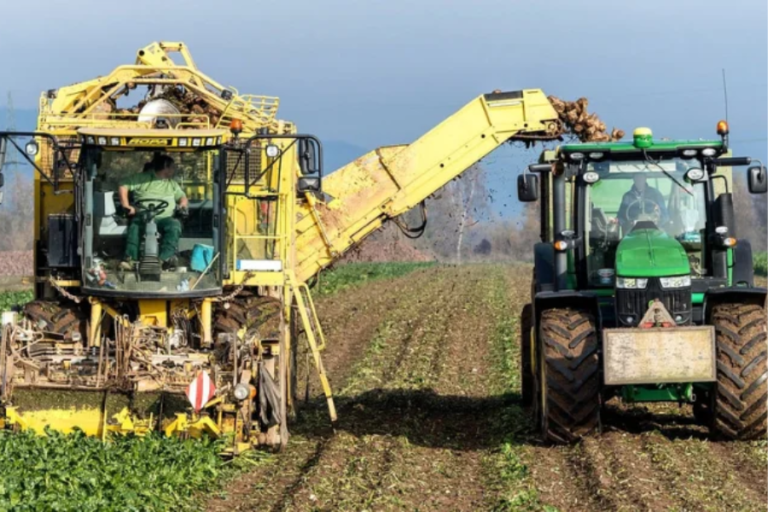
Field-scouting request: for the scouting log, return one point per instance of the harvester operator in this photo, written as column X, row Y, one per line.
column 156, row 184
column 636, row 200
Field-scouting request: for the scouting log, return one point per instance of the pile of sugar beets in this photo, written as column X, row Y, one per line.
column 585, row 126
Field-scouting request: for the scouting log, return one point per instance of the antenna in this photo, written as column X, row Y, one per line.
column 725, row 94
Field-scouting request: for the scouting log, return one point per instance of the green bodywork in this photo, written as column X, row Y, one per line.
column 650, row 253
column 661, row 393
column 623, row 147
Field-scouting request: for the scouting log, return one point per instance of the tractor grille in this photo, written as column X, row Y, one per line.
column 634, row 303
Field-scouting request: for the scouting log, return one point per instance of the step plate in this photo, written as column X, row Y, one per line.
column 656, row 356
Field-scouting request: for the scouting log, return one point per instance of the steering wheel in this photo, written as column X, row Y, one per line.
column 152, row 206
column 643, row 209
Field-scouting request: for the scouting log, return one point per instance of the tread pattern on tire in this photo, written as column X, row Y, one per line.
column 526, row 371
column 742, row 372
column 570, row 350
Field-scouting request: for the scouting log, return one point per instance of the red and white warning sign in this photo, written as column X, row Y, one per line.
column 200, row 391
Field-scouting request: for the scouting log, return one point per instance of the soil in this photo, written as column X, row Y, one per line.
column 425, row 373
column 16, row 263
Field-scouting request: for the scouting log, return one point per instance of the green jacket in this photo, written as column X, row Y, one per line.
column 146, row 185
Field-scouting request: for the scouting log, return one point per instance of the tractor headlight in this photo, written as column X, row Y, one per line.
column 590, row 177
column 631, row 283
column 709, row 151
column 676, row 282
column 242, row 391
column 272, row 151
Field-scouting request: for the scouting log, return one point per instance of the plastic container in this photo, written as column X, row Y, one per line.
column 201, row 257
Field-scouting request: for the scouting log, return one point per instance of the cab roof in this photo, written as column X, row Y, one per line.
column 137, row 132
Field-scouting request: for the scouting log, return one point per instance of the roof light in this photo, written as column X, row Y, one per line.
column 709, row 151
column 236, row 126
column 722, row 128
column 115, row 141
column 596, row 155
column 183, row 142
column 643, row 137
column 577, row 156
column 209, row 141
column 196, row 142
column 102, row 141
column 91, row 140
column 689, row 152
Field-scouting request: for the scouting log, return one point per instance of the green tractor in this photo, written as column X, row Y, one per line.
column 641, row 289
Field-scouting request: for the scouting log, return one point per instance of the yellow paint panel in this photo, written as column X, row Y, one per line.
column 89, row 421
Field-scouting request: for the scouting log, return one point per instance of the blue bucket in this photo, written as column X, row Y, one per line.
column 201, row 257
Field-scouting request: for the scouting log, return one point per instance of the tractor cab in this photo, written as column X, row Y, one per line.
column 638, row 266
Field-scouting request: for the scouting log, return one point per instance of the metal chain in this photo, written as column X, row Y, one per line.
column 64, row 292
column 237, row 290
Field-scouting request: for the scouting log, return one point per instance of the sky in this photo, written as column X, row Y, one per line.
column 372, row 73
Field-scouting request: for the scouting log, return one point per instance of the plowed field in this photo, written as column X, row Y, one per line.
column 425, row 369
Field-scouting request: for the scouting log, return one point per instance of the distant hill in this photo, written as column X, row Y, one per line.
column 337, row 153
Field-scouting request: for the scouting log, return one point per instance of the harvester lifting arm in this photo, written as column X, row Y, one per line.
column 391, row 180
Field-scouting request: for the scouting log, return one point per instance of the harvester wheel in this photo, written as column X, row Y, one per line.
column 740, row 411
column 570, row 380
column 526, row 355
column 61, row 318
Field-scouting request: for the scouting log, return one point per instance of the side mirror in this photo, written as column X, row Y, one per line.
column 3, row 147
column 527, row 188
column 308, row 160
column 725, row 214
column 307, row 184
column 757, row 180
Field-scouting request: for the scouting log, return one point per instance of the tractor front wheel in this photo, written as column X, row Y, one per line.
column 569, row 379
column 739, row 403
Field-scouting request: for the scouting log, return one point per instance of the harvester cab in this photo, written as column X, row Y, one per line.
column 642, row 289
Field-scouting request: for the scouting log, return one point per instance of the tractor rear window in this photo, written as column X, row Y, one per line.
column 629, row 192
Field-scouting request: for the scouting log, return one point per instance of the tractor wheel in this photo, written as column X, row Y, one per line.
column 63, row 318
column 526, row 355
column 570, row 378
column 742, row 377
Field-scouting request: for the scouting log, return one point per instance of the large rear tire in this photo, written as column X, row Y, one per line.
column 740, row 411
column 570, row 378
column 526, row 355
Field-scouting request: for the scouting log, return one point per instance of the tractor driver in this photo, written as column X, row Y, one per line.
column 637, row 200
column 155, row 184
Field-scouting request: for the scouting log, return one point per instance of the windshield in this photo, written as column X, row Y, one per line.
column 153, row 227
column 629, row 192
